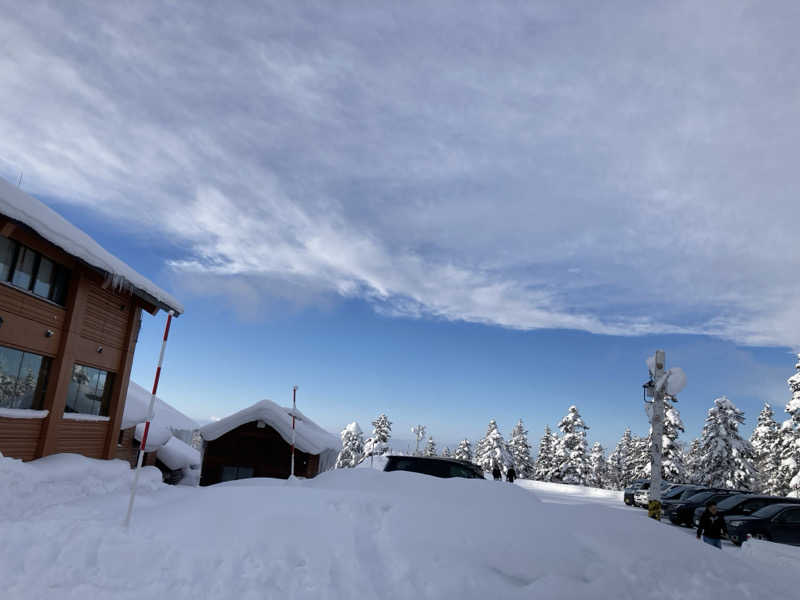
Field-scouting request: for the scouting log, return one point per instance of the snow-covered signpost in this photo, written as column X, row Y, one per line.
column 662, row 382
column 143, row 446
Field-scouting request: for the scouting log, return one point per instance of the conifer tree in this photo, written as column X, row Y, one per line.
column 521, row 451
column 572, row 458
column 726, row 458
column 378, row 442
column 620, row 473
column 492, row 450
column 352, row 447
column 787, row 480
column 545, row 466
column 640, row 461
column 430, row 447
column 692, row 461
column 598, row 473
column 446, row 452
column 766, row 442
column 464, row 450
column 673, row 468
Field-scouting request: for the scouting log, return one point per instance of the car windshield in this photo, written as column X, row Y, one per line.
column 700, row 497
column 769, row 511
column 674, row 493
column 731, row 501
column 686, row 494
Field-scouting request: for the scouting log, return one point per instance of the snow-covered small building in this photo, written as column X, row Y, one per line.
column 69, row 321
column 169, row 438
column 256, row 442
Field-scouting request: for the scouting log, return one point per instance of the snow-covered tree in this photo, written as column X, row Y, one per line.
column 446, row 453
column 521, row 451
column 726, row 457
column 464, row 450
column 787, row 480
column 430, row 447
column 640, row 459
column 492, row 450
column 620, row 473
column 544, row 469
column 766, row 443
column 352, row 447
column 419, row 434
column 572, row 460
column 598, row 467
column 693, row 462
column 672, row 466
column 378, row 442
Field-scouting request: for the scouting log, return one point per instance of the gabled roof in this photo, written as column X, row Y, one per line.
column 138, row 401
column 309, row 437
column 25, row 209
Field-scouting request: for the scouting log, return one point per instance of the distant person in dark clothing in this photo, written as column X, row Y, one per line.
column 496, row 473
column 511, row 475
column 712, row 526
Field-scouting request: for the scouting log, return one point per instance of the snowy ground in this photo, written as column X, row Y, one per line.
column 352, row 534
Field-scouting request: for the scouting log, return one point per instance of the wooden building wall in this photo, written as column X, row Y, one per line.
column 259, row 448
column 98, row 327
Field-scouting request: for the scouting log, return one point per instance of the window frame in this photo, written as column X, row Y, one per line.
column 60, row 277
column 73, row 405
column 42, row 378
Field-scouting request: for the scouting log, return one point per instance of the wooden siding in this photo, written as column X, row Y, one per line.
column 106, row 316
column 19, row 438
column 82, row 437
column 26, row 321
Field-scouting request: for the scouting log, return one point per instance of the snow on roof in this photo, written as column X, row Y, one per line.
column 19, row 206
column 309, row 437
column 137, row 403
column 178, row 455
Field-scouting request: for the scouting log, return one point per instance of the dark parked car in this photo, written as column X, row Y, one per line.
column 640, row 484
column 682, row 512
column 775, row 522
column 743, row 504
column 668, row 504
column 436, row 466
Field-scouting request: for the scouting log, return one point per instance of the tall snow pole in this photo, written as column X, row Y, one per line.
column 294, row 410
column 657, row 422
column 143, row 444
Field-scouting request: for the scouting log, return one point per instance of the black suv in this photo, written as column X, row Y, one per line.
column 681, row 512
column 774, row 522
column 744, row 504
column 436, row 466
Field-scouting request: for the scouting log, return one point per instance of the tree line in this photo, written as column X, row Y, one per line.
column 768, row 462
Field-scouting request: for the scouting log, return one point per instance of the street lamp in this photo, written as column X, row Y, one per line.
column 662, row 382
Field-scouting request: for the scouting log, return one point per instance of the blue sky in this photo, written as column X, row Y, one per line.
column 445, row 214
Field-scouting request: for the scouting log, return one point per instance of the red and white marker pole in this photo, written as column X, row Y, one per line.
column 147, row 423
column 294, row 410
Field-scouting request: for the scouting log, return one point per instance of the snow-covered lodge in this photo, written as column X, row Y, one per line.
column 69, row 320
column 256, row 442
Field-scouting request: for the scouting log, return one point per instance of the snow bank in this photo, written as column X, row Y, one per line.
column 26, row 209
column 356, row 533
column 157, row 436
column 569, row 490
column 309, row 437
column 27, row 488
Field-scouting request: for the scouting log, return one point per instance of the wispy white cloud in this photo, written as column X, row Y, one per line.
column 628, row 172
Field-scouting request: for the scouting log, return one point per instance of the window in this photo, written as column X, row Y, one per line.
column 89, row 391
column 231, row 473
column 790, row 517
column 29, row 270
column 23, row 379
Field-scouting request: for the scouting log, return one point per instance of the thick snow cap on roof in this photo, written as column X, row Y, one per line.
column 19, row 206
column 309, row 437
column 137, row 403
column 178, row 455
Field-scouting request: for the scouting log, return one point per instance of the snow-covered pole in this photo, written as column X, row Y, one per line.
column 294, row 410
column 150, row 410
column 657, row 421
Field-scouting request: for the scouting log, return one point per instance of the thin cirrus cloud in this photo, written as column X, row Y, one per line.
column 527, row 165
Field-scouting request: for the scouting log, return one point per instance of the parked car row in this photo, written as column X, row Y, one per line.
column 747, row 515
